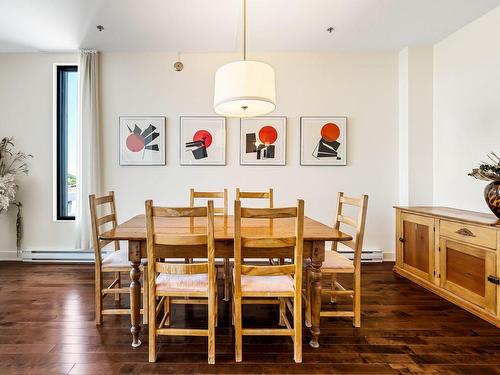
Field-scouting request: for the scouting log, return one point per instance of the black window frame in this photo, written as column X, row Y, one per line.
column 62, row 146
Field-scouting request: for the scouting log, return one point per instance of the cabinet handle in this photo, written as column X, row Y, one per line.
column 401, row 239
column 494, row 279
column 465, row 232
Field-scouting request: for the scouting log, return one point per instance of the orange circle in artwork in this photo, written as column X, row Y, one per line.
column 203, row 135
column 330, row 132
column 268, row 135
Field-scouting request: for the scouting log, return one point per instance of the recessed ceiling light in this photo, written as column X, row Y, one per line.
column 100, row 27
column 331, row 29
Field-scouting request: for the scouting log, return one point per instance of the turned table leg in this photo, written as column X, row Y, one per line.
column 317, row 257
column 134, row 256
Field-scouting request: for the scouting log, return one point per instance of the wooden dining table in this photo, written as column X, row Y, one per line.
column 315, row 235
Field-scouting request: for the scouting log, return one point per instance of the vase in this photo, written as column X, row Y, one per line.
column 492, row 196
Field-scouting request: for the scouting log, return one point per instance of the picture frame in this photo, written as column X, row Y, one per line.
column 263, row 140
column 202, row 140
column 142, row 140
column 323, row 140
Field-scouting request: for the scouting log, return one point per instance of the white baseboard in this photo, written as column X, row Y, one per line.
column 389, row 256
column 9, row 255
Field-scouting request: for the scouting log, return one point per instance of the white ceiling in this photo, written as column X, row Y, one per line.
column 215, row 25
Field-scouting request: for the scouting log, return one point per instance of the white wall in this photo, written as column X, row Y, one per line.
column 361, row 86
column 415, row 126
column 26, row 114
column 466, row 110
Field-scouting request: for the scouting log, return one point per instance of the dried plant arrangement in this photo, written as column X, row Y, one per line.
column 12, row 164
column 490, row 171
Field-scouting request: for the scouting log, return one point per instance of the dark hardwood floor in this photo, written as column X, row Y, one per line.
column 47, row 327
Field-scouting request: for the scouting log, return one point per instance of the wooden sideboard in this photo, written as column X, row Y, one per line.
column 453, row 253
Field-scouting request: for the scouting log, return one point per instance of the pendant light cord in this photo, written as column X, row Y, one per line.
column 244, row 29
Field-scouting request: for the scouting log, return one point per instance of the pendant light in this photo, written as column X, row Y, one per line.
column 244, row 88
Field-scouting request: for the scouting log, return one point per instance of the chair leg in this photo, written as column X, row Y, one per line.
column 333, row 298
column 238, row 330
column 357, row 299
column 232, row 310
column 152, row 329
column 145, row 295
column 308, row 298
column 227, row 278
column 118, row 285
column 297, row 328
column 167, row 311
column 98, row 297
column 282, row 311
column 216, row 304
column 212, row 306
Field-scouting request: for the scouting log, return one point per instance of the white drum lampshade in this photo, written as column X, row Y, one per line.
column 244, row 89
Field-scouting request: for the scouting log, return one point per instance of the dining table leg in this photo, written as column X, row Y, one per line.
column 134, row 256
column 317, row 257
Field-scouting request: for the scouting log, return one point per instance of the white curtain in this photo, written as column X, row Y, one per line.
column 89, row 144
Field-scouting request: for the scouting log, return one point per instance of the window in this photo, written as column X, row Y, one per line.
column 67, row 133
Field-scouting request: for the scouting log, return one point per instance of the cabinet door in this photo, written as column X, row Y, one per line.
column 416, row 245
column 464, row 271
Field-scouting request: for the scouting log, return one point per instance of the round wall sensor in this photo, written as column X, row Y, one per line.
column 178, row 66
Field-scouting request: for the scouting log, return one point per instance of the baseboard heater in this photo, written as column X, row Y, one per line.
column 367, row 256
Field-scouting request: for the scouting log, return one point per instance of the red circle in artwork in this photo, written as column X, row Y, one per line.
column 268, row 135
column 135, row 142
column 201, row 135
column 330, row 132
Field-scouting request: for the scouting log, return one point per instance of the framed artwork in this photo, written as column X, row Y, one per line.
column 323, row 140
column 263, row 141
column 203, row 140
column 142, row 140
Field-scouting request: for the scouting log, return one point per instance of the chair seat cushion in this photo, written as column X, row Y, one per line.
column 266, row 284
column 118, row 259
column 334, row 260
column 182, row 283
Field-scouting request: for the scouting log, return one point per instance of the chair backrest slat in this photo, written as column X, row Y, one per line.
column 181, row 268
column 347, row 220
column 104, row 199
column 181, row 240
column 179, row 211
column 269, row 242
column 357, row 224
column 105, row 219
column 256, row 195
column 287, row 269
column 269, row 213
column 193, row 195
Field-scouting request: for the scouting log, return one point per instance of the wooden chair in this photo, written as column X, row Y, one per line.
column 193, row 195
column 115, row 263
column 254, row 284
column 258, row 195
column 336, row 263
column 196, row 282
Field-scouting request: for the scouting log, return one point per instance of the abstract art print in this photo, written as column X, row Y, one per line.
column 142, row 140
column 203, row 140
column 323, row 140
column 263, row 141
